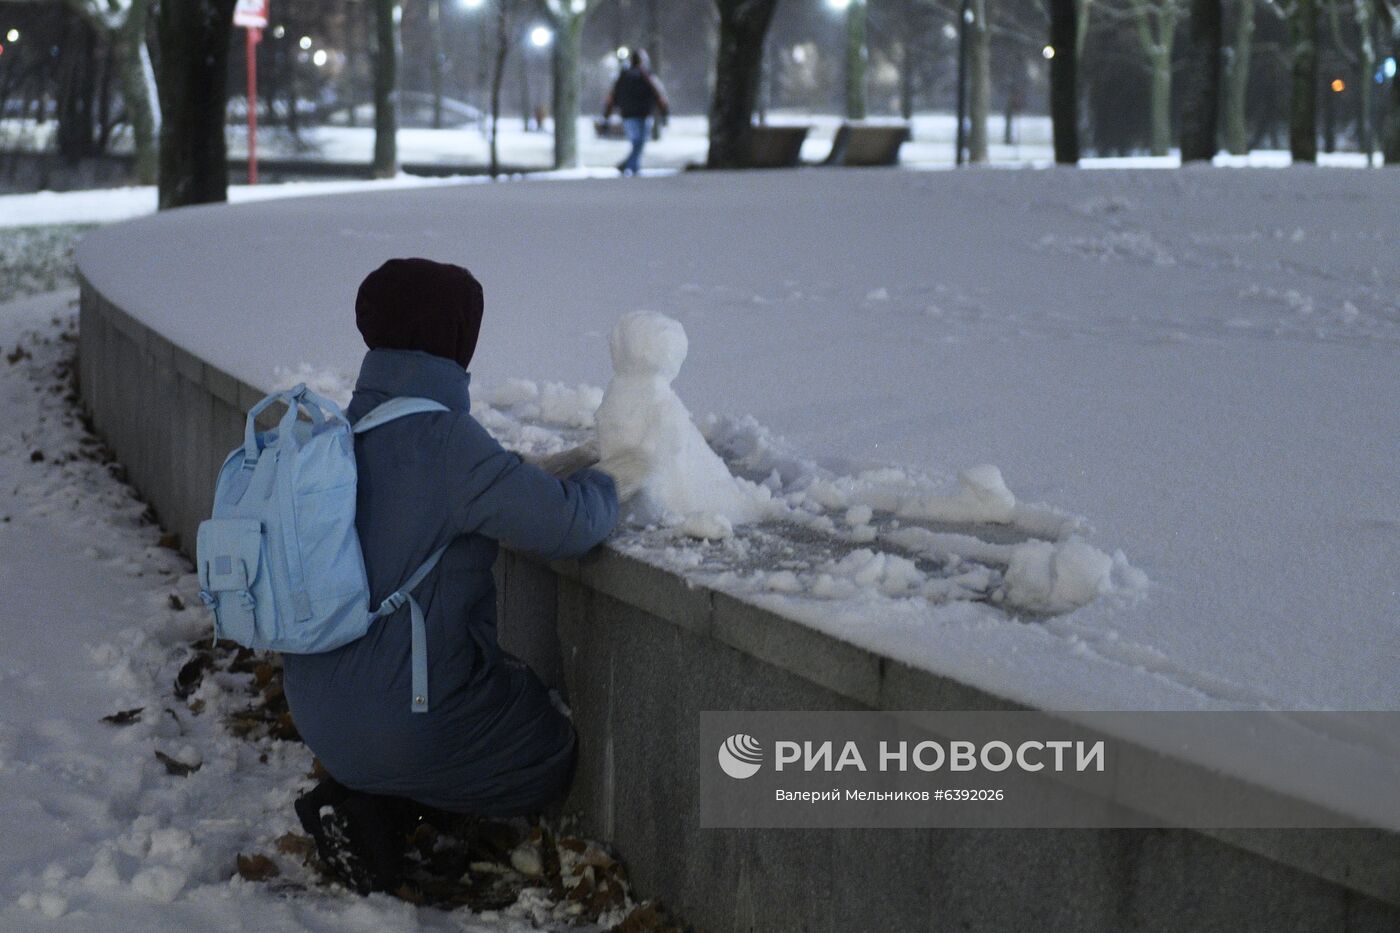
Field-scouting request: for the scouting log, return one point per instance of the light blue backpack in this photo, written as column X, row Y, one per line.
column 280, row 562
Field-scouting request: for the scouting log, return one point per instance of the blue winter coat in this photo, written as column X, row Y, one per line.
column 491, row 742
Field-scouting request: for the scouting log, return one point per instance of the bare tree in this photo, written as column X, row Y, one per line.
column 857, row 57
column 743, row 24
column 1390, row 15
column 386, row 77
column 1200, row 120
column 123, row 23
column 1302, row 40
column 1156, row 26
column 567, row 17
column 1363, row 59
column 1237, row 78
column 1064, row 80
column 505, row 12
column 980, row 88
column 193, row 38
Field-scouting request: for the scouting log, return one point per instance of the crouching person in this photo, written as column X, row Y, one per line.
column 486, row 739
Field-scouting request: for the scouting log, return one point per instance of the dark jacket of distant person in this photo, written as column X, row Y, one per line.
column 637, row 92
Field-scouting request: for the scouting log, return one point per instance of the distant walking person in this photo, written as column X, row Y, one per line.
column 636, row 93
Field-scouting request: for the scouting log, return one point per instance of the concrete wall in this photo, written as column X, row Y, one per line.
column 641, row 653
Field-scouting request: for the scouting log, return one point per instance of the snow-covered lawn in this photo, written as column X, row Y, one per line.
column 1195, row 368
column 137, row 824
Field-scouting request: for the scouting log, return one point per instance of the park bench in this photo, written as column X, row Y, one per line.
column 867, row 144
column 777, row 146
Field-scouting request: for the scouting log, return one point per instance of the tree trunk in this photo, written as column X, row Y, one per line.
column 1157, row 46
column 134, row 64
column 906, row 80
column 1082, row 9
column 498, row 77
column 738, row 68
column 1237, row 80
column 1391, row 120
column 386, row 79
column 1366, row 70
column 654, row 49
column 74, row 134
column 1302, row 123
column 979, row 105
column 568, row 43
column 856, row 56
column 193, row 37
column 1201, row 110
column 436, row 65
column 1160, row 104
column 1064, row 81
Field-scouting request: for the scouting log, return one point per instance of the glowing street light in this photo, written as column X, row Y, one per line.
column 12, row 35
column 279, row 31
column 541, row 36
column 320, row 58
column 472, row 4
column 305, row 43
column 1048, row 52
column 1338, row 85
column 623, row 53
column 838, row 5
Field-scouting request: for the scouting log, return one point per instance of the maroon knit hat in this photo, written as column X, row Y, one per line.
column 418, row 304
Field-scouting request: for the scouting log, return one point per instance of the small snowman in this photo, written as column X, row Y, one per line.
column 686, row 482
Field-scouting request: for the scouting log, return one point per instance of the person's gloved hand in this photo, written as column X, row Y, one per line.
column 568, row 462
column 629, row 470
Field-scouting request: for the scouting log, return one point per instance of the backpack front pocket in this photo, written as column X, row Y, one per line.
column 229, row 552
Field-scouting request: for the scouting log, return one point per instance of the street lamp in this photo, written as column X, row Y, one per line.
column 12, row 35
column 541, row 36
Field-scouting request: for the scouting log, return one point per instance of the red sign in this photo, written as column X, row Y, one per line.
column 251, row 14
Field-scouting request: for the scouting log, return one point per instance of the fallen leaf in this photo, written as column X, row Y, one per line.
column 36, row 457
column 124, row 718
column 285, row 729
column 257, row 867
column 263, row 674
column 170, row 541
column 175, row 766
column 406, row 892
column 295, row 844
column 176, row 602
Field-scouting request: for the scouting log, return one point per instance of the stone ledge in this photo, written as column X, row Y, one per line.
column 1363, row 863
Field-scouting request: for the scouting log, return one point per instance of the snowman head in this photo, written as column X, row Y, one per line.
column 645, row 343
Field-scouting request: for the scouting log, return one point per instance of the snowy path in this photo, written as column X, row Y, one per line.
column 98, row 835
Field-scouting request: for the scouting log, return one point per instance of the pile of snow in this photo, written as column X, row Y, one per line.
column 641, row 413
column 727, row 504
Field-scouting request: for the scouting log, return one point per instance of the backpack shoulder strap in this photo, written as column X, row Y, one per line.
column 418, row 653
column 380, row 415
column 396, row 408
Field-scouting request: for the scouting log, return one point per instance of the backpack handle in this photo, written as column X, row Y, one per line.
column 295, row 398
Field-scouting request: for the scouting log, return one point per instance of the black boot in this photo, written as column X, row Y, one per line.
column 360, row 837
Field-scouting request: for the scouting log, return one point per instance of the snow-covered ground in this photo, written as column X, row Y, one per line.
column 101, row 833
column 1195, row 368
